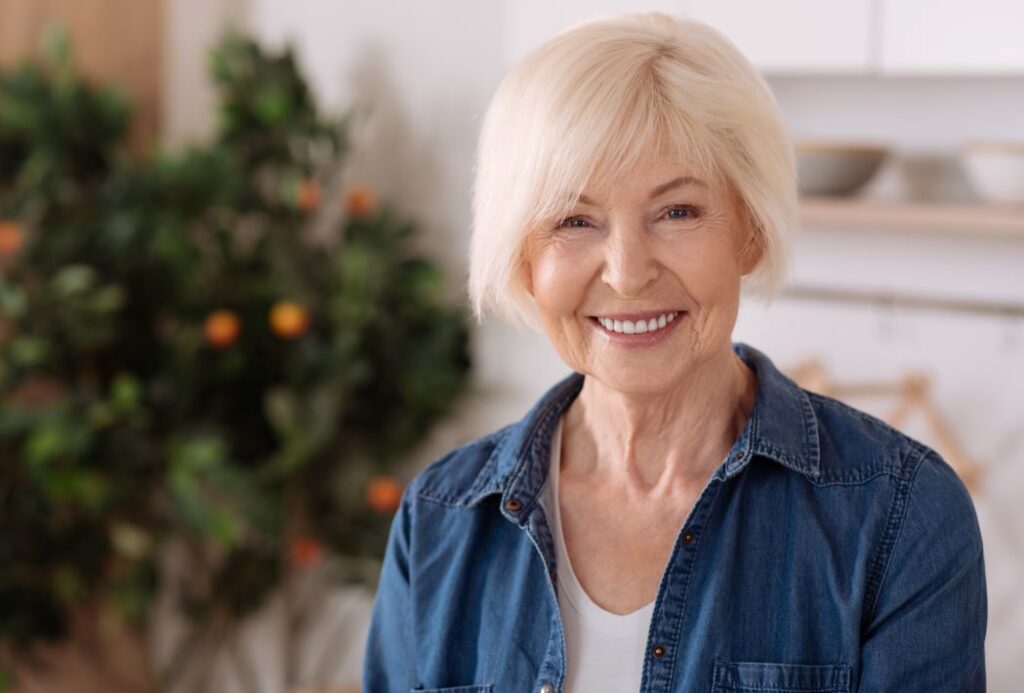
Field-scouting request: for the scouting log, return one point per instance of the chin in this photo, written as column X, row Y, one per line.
column 635, row 379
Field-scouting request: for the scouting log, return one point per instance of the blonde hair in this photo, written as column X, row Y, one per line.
column 591, row 102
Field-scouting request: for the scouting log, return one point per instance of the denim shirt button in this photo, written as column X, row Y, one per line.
column 547, row 688
column 513, row 505
column 687, row 537
column 659, row 651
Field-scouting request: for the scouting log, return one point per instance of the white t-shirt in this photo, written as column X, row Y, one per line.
column 604, row 651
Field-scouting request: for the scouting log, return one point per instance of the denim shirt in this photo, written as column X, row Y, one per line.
column 827, row 552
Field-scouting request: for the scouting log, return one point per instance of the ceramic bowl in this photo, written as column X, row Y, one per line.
column 836, row 168
column 995, row 169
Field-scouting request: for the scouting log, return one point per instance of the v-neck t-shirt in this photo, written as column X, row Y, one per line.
column 604, row 651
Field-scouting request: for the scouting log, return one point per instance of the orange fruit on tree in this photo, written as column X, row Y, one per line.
column 360, row 200
column 383, row 494
column 307, row 195
column 221, row 328
column 288, row 319
column 11, row 237
column 305, row 551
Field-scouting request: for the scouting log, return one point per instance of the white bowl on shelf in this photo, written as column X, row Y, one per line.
column 996, row 169
column 828, row 167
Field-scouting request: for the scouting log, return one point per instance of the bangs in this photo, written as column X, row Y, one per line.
column 604, row 130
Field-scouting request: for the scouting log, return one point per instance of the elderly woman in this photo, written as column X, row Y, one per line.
column 677, row 514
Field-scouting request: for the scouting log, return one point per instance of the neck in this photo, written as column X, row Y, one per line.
column 659, row 442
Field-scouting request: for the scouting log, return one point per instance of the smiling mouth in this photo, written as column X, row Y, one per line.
column 638, row 326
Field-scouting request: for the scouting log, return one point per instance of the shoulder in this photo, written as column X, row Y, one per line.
column 855, row 446
column 925, row 490
column 486, row 465
column 459, row 476
column 928, row 534
column 861, row 446
column 925, row 513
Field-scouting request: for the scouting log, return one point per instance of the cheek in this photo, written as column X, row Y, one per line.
column 708, row 272
column 560, row 279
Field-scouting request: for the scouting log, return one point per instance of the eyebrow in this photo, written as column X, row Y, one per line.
column 679, row 182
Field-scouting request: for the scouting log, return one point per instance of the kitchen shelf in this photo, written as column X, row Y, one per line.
column 864, row 214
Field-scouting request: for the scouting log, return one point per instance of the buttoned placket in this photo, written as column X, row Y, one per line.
column 551, row 675
column 665, row 636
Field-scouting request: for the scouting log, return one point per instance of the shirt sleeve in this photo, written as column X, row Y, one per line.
column 389, row 664
column 926, row 631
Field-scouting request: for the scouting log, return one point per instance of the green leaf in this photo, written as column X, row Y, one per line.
column 213, row 497
column 100, row 415
column 125, row 394
column 68, row 585
column 73, row 280
column 28, row 351
column 57, row 45
column 272, row 105
column 82, row 488
column 130, row 540
column 13, row 301
column 47, row 443
column 279, row 407
column 108, row 299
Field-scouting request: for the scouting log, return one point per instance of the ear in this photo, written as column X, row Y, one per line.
column 524, row 270
column 753, row 250
column 752, row 244
column 526, row 276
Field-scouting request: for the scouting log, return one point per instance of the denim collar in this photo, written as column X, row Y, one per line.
column 781, row 427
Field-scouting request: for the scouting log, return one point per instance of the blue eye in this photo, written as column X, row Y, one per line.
column 569, row 223
column 691, row 212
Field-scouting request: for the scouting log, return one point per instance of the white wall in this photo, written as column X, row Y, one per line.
column 191, row 28
column 425, row 71
column 422, row 73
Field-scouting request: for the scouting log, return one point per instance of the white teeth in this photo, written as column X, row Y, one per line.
column 638, row 327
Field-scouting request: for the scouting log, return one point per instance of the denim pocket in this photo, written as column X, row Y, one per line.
column 781, row 678
column 478, row 688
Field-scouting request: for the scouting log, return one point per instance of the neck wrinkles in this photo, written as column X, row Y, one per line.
column 654, row 443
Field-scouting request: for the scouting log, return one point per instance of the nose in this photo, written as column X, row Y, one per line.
column 630, row 263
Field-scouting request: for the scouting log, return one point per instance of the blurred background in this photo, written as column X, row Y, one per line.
column 232, row 321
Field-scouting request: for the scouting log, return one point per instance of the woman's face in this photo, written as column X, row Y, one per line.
column 641, row 283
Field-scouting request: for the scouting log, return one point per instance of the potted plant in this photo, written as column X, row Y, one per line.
column 218, row 355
